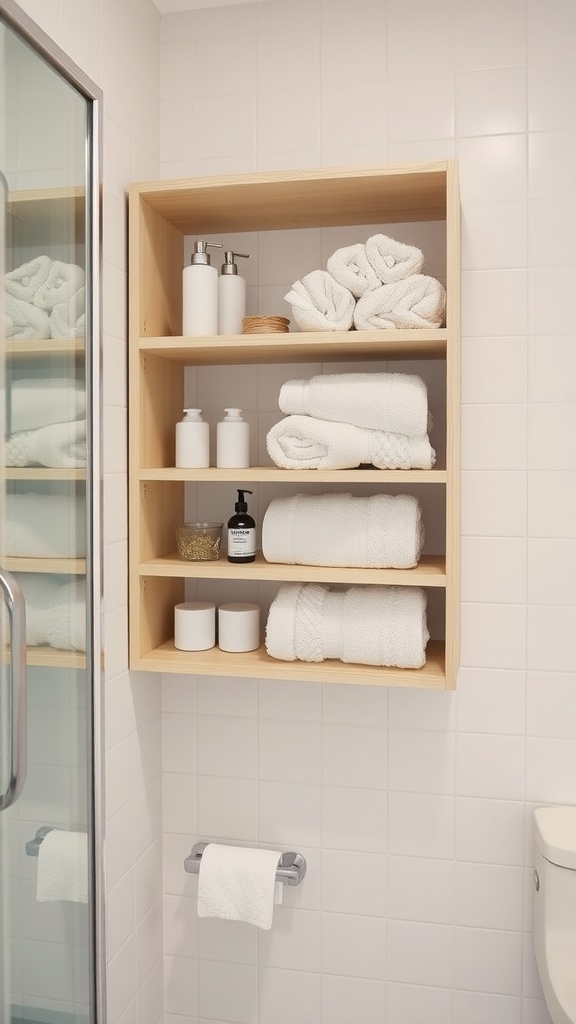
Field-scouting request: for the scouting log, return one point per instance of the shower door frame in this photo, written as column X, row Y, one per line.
column 29, row 31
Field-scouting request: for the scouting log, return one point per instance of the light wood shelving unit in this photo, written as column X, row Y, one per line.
column 161, row 215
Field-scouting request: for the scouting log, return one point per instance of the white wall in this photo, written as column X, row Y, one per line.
column 412, row 808
column 116, row 42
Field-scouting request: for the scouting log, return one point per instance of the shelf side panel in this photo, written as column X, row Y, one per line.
column 453, row 429
column 154, row 624
column 157, row 251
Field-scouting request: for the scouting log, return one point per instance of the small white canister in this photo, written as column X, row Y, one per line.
column 194, row 626
column 238, row 627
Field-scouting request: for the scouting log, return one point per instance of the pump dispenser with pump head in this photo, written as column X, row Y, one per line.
column 192, row 441
column 232, row 441
column 231, row 295
column 200, row 292
column 241, row 532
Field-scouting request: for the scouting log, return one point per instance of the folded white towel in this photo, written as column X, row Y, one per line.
column 319, row 303
column 63, row 280
column 63, row 867
column 417, row 301
column 239, row 884
column 391, row 260
column 303, row 442
column 396, row 402
column 57, row 445
column 55, row 610
column 352, row 269
column 382, row 531
column 38, row 401
column 23, row 321
column 23, row 282
column 41, row 525
column 68, row 319
column 366, row 625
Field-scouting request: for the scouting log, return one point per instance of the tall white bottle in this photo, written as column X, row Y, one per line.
column 192, row 441
column 200, row 292
column 233, row 441
column 231, row 295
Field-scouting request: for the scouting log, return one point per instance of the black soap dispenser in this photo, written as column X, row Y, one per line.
column 241, row 532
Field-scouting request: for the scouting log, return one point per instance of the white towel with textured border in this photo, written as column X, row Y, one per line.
column 55, row 610
column 45, row 525
column 365, row 625
column 59, row 445
column 238, row 883
column 23, row 321
column 35, row 402
column 62, row 282
column 391, row 260
column 319, row 303
column 417, row 301
column 352, row 269
column 62, row 867
column 396, row 402
column 23, row 282
column 68, row 319
column 382, row 531
column 303, row 442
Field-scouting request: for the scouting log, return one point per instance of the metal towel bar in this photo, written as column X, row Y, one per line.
column 290, row 871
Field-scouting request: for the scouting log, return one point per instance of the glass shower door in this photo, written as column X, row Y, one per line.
column 47, row 944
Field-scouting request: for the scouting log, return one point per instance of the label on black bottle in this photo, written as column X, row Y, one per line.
column 241, row 541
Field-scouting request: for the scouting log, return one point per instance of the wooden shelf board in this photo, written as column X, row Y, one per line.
column 430, row 572
column 300, row 199
column 42, row 473
column 44, row 347
column 273, row 475
column 299, row 346
column 257, row 664
column 66, row 566
column 50, row 657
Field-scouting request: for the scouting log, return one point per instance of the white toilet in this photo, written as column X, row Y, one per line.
column 555, row 909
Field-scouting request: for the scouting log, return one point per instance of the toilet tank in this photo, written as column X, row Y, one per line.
column 555, row 909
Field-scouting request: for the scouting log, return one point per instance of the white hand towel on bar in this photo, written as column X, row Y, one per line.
column 303, row 442
column 239, row 884
column 319, row 303
column 63, row 280
column 63, row 867
column 38, row 401
column 391, row 260
column 396, row 402
column 23, row 282
column 25, row 322
column 417, row 301
column 57, row 445
column 382, row 531
column 351, row 268
column 45, row 525
column 365, row 625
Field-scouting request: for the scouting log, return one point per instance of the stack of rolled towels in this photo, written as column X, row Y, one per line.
column 45, row 298
column 55, row 610
column 366, row 625
column 46, row 423
column 376, row 285
column 345, row 420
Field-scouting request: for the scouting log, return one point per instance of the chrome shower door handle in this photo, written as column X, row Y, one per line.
column 17, row 756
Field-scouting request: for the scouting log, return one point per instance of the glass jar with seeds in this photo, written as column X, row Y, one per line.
column 198, row 542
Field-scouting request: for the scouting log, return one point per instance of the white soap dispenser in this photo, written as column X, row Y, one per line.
column 231, row 295
column 233, row 441
column 192, row 441
column 200, row 292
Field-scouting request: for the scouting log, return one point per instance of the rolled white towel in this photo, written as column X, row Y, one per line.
column 55, row 611
column 56, row 445
column 418, row 301
column 303, row 442
column 45, row 525
column 23, row 282
column 391, row 260
column 68, row 319
column 38, row 401
column 63, row 280
column 319, row 303
column 396, row 402
column 366, row 625
column 382, row 531
column 352, row 269
column 23, row 321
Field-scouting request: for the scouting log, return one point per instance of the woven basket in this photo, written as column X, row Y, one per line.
column 265, row 324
